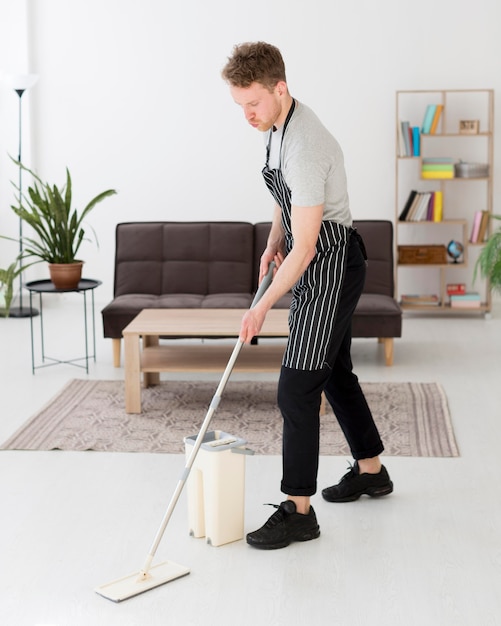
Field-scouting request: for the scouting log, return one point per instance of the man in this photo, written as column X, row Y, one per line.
column 322, row 259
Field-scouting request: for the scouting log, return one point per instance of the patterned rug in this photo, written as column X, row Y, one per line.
column 413, row 419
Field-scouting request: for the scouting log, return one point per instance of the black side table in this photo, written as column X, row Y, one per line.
column 46, row 286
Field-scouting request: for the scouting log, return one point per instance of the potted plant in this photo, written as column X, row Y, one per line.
column 489, row 260
column 58, row 225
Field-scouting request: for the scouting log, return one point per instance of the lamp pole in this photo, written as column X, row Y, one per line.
column 21, row 83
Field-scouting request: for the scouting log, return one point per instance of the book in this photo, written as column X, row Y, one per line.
column 468, row 300
column 468, row 295
column 437, row 174
column 403, row 215
column 401, row 143
column 422, row 209
column 416, row 141
column 405, row 137
column 436, row 118
column 414, row 206
column 419, row 208
column 437, row 209
column 474, row 304
column 420, row 299
column 477, row 218
column 428, row 119
column 411, row 216
column 484, row 223
column 447, row 160
column 431, row 207
column 437, row 167
column 456, row 289
column 465, row 304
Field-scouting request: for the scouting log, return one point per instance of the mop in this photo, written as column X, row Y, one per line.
column 150, row 577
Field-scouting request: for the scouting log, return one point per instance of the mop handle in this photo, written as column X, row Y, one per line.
column 265, row 283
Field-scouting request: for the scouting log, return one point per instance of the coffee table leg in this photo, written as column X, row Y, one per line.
column 132, row 358
column 150, row 378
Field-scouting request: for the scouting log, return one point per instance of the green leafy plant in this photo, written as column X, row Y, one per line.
column 59, row 227
column 7, row 278
column 489, row 260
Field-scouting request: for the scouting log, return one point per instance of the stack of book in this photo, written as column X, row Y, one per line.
column 422, row 206
column 409, row 139
column 431, row 119
column 468, row 300
column 420, row 299
column 479, row 227
column 437, row 167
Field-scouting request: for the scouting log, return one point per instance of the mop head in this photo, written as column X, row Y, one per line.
column 133, row 585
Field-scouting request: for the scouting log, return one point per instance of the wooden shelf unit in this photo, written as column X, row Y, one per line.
column 462, row 197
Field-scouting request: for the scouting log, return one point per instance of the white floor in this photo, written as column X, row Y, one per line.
column 430, row 554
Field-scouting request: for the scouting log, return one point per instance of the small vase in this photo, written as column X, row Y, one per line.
column 66, row 275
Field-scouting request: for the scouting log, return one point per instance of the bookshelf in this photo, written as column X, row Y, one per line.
column 443, row 193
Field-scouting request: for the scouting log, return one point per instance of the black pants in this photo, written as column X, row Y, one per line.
column 299, row 395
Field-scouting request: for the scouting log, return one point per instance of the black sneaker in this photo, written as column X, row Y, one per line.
column 285, row 526
column 354, row 484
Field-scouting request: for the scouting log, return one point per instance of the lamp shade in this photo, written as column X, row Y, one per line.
column 21, row 82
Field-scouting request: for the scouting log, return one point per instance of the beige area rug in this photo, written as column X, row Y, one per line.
column 413, row 419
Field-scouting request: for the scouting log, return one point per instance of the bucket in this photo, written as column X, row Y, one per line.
column 216, row 488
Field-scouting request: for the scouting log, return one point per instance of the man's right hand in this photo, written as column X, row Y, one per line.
column 268, row 258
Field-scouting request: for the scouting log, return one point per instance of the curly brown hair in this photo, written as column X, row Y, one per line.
column 254, row 62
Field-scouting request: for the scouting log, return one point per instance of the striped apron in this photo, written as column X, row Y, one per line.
column 316, row 294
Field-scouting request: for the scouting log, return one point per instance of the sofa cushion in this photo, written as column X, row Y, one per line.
column 184, row 257
column 377, row 316
column 378, row 240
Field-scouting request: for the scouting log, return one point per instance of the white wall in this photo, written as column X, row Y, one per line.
column 130, row 97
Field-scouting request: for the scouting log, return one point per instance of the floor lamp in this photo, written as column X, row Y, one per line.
column 20, row 83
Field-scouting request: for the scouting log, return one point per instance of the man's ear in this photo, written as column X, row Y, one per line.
column 281, row 87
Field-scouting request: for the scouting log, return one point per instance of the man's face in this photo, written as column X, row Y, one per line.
column 261, row 107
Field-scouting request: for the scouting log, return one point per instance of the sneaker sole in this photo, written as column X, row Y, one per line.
column 377, row 492
column 283, row 544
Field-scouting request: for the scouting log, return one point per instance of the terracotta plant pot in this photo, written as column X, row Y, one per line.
column 66, row 275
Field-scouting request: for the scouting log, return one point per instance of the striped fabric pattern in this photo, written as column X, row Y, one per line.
column 316, row 294
column 316, row 297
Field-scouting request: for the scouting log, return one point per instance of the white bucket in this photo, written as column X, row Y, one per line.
column 216, row 488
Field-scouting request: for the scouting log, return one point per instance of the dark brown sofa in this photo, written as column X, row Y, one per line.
column 215, row 265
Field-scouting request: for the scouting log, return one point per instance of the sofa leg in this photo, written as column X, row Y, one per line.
column 116, row 343
column 388, row 349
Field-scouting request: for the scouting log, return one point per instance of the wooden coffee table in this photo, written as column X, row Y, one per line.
column 148, row 358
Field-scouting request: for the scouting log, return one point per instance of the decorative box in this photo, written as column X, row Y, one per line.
column 471, row 170
column 418, row 255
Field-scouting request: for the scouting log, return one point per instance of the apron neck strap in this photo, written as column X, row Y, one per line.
column 287, row 120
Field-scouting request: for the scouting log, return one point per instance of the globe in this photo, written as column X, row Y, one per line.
column 455, row 249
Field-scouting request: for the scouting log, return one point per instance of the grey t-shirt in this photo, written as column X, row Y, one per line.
column 312, row 164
